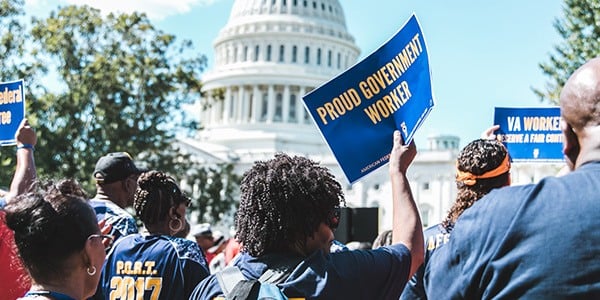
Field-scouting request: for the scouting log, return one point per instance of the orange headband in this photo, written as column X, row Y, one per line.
column 470, row 179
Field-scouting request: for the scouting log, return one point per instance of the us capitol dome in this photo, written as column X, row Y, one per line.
column 270, row 54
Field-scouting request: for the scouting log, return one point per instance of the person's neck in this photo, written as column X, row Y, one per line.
column 589, row 143
column 71, row 289
column 158, row 229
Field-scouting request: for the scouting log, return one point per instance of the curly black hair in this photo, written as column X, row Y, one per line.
column 157, row 192
column 50, row 223
column 283, row 201
column 478, row 157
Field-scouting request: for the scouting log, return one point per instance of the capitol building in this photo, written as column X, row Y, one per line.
column 271, row 53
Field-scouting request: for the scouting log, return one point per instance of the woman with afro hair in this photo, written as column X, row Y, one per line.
column 288, row 211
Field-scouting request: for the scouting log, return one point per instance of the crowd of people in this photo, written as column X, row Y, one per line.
column 535, row 241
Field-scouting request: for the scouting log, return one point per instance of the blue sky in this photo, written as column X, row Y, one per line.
column 483, row 53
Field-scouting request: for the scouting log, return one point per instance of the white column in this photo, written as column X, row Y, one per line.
column 213, row 110
column 286, row 104
column 246, row 107
column 299, row 107
column 271, row 104
column 227, row 105
column 239, row 116
column 256, row 104
column 301, row 113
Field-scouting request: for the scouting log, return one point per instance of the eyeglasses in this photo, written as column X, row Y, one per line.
column 107, row 240
column 333, row 221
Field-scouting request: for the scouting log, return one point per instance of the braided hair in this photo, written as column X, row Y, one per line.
column 283, row 201
column 157, row 192
column 478, row 157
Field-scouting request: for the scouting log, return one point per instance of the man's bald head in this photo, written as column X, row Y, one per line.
column 580, row 97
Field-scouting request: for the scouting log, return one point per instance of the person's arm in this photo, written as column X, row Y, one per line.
column 25, row 172
column 407, row 228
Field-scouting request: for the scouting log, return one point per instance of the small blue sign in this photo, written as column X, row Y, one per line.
column 358, row 110
column 530, row 134
column 12, row 110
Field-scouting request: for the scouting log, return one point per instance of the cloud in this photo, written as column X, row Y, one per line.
column 155, row 9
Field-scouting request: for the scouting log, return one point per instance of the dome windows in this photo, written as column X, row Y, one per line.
column 281, row 53
column 327, row 56
column 294, row 54
column 307, row 55
column 318, row 56
column 268, row 53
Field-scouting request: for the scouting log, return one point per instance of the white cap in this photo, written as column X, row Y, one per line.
column 201, row 229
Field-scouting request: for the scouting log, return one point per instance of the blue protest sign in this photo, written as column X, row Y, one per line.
column 530, row 134
column 358, row 110
column 12, row 110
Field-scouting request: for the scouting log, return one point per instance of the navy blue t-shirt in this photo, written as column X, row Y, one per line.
column 435, row 236
column 359, row 274
column 538, row 241
column 156, row 266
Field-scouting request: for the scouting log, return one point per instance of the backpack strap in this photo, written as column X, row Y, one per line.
column 280, row 270
column 228, row 278
column 245, row 290
column 231, row 277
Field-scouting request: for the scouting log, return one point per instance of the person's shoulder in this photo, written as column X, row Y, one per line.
column 208, row 288
column 125, row 242
column 107, row 207
column 185, row 248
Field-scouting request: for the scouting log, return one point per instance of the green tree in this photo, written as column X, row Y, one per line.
column 580, row 30
column 113, row 83
column 207, row 183
column 121, row 84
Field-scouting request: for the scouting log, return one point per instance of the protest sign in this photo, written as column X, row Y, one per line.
column 358, row 110
column 12, row 110
column 530, row 134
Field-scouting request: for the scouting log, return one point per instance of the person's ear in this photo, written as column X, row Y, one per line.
column 88, row 256
column 571, row 145
column 129, row 185
column 173, row 214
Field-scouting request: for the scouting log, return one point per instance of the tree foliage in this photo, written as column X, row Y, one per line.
column 110, row 83
column 580, row 31
column 213, row 182
column 122, row 84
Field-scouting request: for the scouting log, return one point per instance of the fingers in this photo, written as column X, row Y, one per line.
column 402, row 155
column 105, row 229
column 25, row 134
column 488, row 134
column 397, row 138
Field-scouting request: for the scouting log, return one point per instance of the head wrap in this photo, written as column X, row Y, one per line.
column 470, row 178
